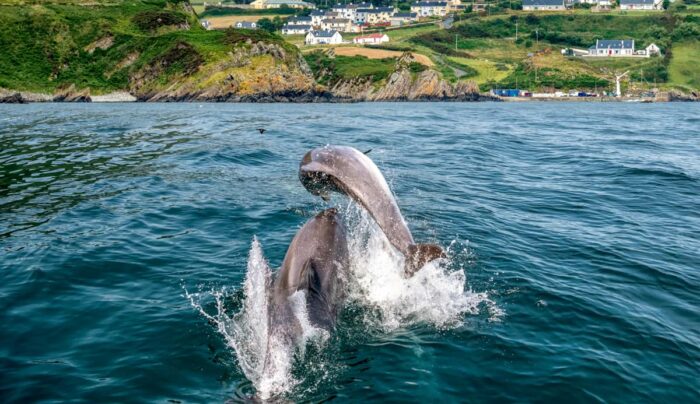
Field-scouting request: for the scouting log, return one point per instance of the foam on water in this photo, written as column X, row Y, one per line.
column 435, row 296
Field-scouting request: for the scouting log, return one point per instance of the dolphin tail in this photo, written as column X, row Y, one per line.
column 420, row 254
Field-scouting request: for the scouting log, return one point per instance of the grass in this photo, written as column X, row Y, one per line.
column 55, row 38
column 486, row 71
column 330, row 70
column 683, row 69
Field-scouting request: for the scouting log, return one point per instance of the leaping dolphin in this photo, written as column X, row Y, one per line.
column 349, row 171
column 314, row 263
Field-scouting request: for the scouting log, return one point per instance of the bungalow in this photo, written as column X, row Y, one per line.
column 612, row 48
column 289, row 29
column 264, row 4
column 399, row 19
column 246, row 25
column 544, row 5
column 371, row 39
column 430, row 8
column 641, row 4
column 323, row 37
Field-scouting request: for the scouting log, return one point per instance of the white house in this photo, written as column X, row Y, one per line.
column 323, row 37
column 653, row 50
column 399, row 19
column 263, row 4
column 371, row 39
column 316, row 17
column 289, row 29
column 430, row 8
column 544, row 5
column 336, row 24
column 612, row 48
column 300, row 20
column 246, row 25
column 641, row 4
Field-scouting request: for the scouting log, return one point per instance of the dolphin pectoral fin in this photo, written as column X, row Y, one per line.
column 420, row 254
column 308, row 279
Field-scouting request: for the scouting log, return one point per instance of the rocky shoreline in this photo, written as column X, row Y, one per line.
column 298, row 97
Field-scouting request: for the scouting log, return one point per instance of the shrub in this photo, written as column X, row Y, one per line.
column 152, row 20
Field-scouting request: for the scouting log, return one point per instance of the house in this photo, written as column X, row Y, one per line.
column 289, row 29
column 336, row 24
column 300, row 20
column 399, row 19
column 264, row 4
column 345, row 11
column 653, row 50
column 544, row 5
column 370, row 39
column 376, row 15
column 430, row 8
column 316, row 17
column 641, row 4
column 612, row 48
column 323, row 37
column 245, row 25
column 206, row 24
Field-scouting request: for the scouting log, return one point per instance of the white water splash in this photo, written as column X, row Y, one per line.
column 434, row 296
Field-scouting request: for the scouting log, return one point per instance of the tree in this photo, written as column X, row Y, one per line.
column 266, row 24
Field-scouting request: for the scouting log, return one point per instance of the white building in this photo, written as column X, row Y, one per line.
column 246, row 25
column 323, row 37
column 263, row 4
column 430, row 8
column 641, row 4
column 336, row 24
column 289, row 29
column 612, row 48
column 371, row 39
column 399, row 19
column 544, row 5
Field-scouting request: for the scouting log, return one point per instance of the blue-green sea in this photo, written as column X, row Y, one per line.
column 573, row 232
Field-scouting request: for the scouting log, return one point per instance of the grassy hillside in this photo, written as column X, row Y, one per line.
column 683, row 69
column 46, row 47
column 495, row 58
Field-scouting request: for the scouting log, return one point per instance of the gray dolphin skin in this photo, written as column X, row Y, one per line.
column 347, row 170
column 315, row 263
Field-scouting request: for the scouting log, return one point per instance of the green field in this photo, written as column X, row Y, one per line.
column 684, row 69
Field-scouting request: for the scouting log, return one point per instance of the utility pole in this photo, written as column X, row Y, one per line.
column 455, row 42
column 537, row 35
column 516, row 30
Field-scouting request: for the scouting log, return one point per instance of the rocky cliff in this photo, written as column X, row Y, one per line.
column 404, row 84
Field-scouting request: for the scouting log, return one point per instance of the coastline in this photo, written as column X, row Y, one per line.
column 314, row 97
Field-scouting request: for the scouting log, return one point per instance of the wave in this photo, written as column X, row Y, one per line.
column 436, row 296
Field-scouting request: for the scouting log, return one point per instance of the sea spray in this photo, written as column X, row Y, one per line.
column 375, row 282
column 435, row 295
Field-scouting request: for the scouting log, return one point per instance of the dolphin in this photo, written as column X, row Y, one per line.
column 315, row 263
column 347, row 170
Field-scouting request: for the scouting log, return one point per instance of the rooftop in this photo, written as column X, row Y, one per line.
column 543, row 2
column 323, row 34
column 614, row 44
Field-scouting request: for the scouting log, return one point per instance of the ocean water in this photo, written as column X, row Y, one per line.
column 129, row 270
